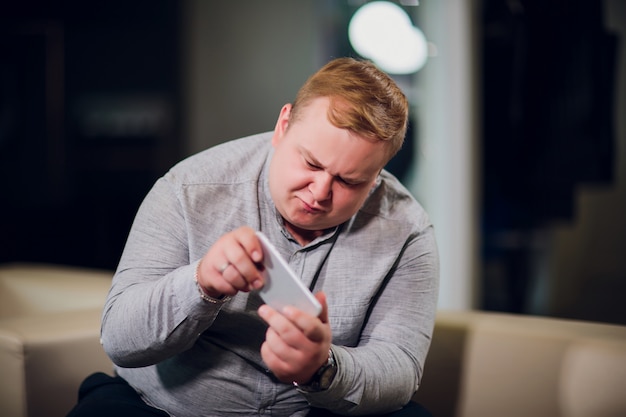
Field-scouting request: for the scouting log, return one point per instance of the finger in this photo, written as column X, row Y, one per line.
column 279, row 367
column 279, row 324
column 310, row 326
column 211, row 280
column 228, row 267
column 287, row 351
column 240, row 253
column 274, row 319
column 220, row 285
column 314, row 328
column 285, row 360
column 295, row 328
column 321, row 297
column 242, row 272
column 251, row 244
column 232, row 276
column 277, row 345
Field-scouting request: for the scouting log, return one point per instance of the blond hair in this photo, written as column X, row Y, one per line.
column 363, row 100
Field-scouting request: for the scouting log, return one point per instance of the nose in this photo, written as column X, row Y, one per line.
column 321, row 187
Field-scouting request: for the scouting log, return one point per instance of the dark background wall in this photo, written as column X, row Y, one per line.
column 550, row 76
column 90, row 118
column 99, row 100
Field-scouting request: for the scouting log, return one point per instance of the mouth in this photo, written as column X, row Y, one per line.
column 311, row 208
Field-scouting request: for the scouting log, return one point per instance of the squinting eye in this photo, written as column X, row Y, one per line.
column 347, row 184
column 312, row 165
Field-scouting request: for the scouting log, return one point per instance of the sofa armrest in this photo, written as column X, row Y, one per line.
column 49, row 336
column 46, row 358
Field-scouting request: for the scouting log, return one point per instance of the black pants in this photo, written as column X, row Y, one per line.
column 410, row 410
column 101, row 395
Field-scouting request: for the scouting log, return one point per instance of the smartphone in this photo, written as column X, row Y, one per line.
column 282, row 286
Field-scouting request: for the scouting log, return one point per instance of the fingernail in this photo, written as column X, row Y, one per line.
column 256, row 256
column 288, row 311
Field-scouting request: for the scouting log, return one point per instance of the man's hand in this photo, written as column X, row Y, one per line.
column 296, row 344
column 230, row 265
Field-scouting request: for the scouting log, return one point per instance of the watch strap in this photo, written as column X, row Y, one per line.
column 322, row 378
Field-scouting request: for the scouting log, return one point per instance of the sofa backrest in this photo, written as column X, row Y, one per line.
column 27, row 290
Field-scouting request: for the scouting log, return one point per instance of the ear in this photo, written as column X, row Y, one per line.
column 281, row 124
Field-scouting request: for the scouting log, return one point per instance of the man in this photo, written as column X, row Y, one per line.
column 184, row 323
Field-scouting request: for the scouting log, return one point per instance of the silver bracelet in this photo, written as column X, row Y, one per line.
column 206, row 297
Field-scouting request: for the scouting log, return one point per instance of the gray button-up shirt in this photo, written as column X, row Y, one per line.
column 193, row 358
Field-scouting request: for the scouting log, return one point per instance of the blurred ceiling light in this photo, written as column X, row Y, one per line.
column 383, row 32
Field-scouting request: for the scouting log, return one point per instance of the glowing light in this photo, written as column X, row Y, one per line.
column 383, row 32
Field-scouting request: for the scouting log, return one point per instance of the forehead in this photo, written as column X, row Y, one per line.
column 318, row 136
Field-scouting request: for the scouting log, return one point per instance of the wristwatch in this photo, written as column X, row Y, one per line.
column 324, row 376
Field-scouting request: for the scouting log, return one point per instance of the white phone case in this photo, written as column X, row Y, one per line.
column 282, row 286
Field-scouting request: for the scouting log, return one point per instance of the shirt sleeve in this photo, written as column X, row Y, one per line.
column 153, row 310
column 384, row 370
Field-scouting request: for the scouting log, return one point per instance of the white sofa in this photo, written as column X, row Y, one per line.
column 488, row 364
column 49, row 336
column 480, row 364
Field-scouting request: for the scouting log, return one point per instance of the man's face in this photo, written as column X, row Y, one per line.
column 320, row 175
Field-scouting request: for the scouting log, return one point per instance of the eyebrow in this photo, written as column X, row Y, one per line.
column 314, row 161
